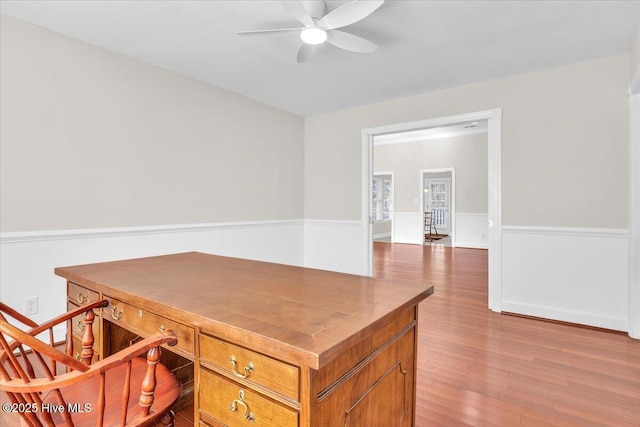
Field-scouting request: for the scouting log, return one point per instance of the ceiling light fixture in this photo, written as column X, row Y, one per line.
column 313, row 35
column 319, row 26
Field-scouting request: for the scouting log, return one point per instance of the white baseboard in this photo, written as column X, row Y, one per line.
column 580, row 318
column 27, row 259
column 381, row 235
column 576, row 275
column 471, row 245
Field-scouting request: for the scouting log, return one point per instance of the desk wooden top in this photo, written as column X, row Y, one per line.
column 296, row 314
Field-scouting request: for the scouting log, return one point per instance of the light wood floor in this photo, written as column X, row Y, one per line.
column 480, row 368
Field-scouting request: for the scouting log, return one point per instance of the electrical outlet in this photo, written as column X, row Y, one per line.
column 31, row 305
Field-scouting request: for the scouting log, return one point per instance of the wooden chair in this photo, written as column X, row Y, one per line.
column 122, row 389
column 429, row 226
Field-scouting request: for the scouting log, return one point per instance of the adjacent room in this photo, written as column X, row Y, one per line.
column 430, row 186
column 320, row 213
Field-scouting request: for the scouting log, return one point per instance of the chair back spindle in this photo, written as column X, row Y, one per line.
column 32, row 375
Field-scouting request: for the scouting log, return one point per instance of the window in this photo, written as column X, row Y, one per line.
column 382, row 199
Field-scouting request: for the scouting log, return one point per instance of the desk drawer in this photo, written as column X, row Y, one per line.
column 80, row 295
column 146, row 323
column 232, row 404
column 254, row 367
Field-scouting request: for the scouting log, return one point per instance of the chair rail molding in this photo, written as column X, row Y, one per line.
column 25, row 236
column 567, row 231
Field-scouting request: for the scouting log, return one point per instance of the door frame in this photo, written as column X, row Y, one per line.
column 452, row 203
column 494, row 136
column 634, row 211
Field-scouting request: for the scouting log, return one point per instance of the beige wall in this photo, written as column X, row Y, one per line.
column 564, row 144
column 90, row 139
column 635, row 54
column 467, row 153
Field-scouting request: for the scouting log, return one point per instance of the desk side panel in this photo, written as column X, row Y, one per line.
column 377, row 391
column 373, row 382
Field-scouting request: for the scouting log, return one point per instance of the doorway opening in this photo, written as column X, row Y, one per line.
column 494, row 218
column 438, row 201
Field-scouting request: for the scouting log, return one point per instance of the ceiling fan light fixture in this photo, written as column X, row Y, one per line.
column 319, row 27
column 313, row 35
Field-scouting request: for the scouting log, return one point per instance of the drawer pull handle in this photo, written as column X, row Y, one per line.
column 77, row 356
column 162, row 328
column 248, row 415
column 81, row 298
column 247, row 369
column 81, row 326
column 115, row 313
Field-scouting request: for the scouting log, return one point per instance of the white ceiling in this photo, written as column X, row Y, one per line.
column 424, row 45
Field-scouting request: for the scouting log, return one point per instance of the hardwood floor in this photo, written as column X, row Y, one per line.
column 480, row 368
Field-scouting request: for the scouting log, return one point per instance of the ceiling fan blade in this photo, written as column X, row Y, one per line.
column 274, row 30
column 305, row 52
column 350, row 42
column 298, row 11
column 348, row 14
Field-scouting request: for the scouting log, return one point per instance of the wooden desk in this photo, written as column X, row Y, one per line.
column 273, row 345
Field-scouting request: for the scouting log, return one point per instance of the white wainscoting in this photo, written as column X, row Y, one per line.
column 408, row 227
column 471, row 230
column 382, row 228
column 334, row 245
column 27, row 259
column 569, row 274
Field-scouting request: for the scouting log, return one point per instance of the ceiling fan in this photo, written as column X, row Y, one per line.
column 319, row 27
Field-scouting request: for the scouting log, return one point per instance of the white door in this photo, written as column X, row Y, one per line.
column 438, row 201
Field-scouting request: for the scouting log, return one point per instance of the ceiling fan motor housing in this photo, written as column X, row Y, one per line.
column 315, row 8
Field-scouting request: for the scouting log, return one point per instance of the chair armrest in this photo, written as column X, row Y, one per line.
column 38, row 329
column 21, row 338
column 66, row 316
column 98, row 368
column 17, row 316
